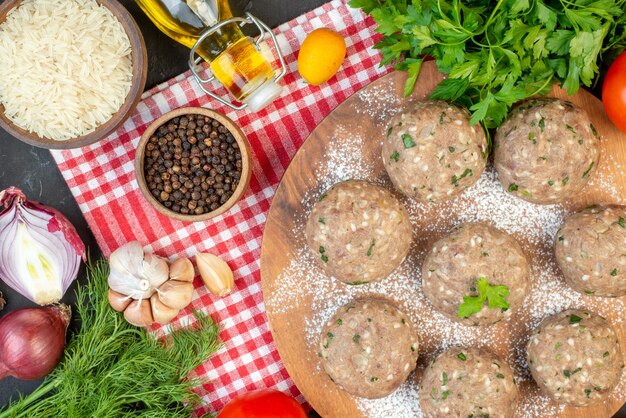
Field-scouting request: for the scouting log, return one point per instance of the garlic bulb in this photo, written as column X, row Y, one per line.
column 143, row 286
column 215, row 273
column 136, row 273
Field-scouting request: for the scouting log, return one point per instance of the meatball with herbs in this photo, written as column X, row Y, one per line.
column 575, row 357
column 432, row 153
column 477, row 275
column 368, row 348
column 359, row 232
column 468, row 382
column 590, row 249
column 546, row 150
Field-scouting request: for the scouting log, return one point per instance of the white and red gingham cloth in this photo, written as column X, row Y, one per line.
column 102, row 179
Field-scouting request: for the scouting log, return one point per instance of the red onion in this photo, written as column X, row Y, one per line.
column 40, row 250
column 32, row 341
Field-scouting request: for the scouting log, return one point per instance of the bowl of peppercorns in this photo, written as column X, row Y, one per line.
column 193, row 164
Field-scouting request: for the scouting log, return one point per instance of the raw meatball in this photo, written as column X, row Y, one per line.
column 359, row 232
column 575, row 357
column 590, row 248
column 468, row 382
column 368, row 348
column 456, row 263
column 431, row 152
column 546, row 151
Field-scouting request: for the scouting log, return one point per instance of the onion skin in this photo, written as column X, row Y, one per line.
column 32, row 341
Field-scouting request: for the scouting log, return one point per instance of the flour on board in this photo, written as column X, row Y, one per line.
column 535, row 226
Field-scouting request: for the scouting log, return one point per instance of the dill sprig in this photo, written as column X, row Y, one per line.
column 112, row 369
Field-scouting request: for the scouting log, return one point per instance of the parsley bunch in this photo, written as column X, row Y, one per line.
column 499, row 52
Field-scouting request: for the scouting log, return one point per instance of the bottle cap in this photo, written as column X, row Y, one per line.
column 263, row 95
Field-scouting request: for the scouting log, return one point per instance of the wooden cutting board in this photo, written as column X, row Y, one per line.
column 364, row 116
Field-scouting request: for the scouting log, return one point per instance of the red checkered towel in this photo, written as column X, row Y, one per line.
column 102, row 179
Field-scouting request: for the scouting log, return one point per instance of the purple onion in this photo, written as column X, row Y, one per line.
column 40, row 251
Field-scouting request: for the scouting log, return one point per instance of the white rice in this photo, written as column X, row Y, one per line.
column 65, row 67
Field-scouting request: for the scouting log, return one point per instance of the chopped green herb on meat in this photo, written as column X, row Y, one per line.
column 322, row 221
column 561, row 238
column 395, row 156
column 322, row 197
column 586, row 173
column 581, row 141
column 542, row 123
column 565, row 181
column 339, row 321
column 567, row 372
column 371, row 248
column 588, row 393
column 445, row 394
column 594, row 131
column 531, row 137
column 356, row 338
column 389, row 130
column 500, row 376
column 467, row 172
column 408, row 141
column 574, row 319
column 550, row 182
column 441, row 118
column 451, row 149
column 614, row 272
column 356, row 283
column 461, row 356
column 589, row 292
column 622, row 222
column 571, row 129
column 495, row 296
column 324, row 257
column 374, row 379
column 512, row 187
column 444, row 379
column 485, row 254
column 606, row 354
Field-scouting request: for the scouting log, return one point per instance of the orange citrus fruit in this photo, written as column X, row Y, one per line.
column 321, row 55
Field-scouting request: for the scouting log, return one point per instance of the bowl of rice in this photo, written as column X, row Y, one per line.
column 72, row 70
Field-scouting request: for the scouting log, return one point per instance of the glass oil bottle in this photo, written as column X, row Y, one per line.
column 212, row 32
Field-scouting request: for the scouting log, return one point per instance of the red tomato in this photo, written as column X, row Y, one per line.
column 264, row 403
column 614, row 92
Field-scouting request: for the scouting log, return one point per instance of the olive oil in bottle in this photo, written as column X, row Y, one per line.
column 232, row 57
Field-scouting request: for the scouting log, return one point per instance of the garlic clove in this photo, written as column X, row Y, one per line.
column 182, row 270
column 138, row 313
column 155, row 270
column 162, row 313
column 215, row 273
column 175, row 294
column 118, row 301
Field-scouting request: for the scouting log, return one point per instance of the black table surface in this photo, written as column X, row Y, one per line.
column 33, row 170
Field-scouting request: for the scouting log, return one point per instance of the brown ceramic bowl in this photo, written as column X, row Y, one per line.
column 140, row 72
column 244, row 147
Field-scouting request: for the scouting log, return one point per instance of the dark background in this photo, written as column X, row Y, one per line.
column 33, row 170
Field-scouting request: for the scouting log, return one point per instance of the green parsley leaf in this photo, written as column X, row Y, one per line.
column 512, row 187
column 622, row 222
column 614, row 272
column 461, row 356
column 395, row 156
column 408, row 141
column 371, row 248
column 356, row 338
column 495, row 296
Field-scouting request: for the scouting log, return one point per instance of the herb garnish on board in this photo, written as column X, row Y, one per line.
column 499, row 52
column 112, row 369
